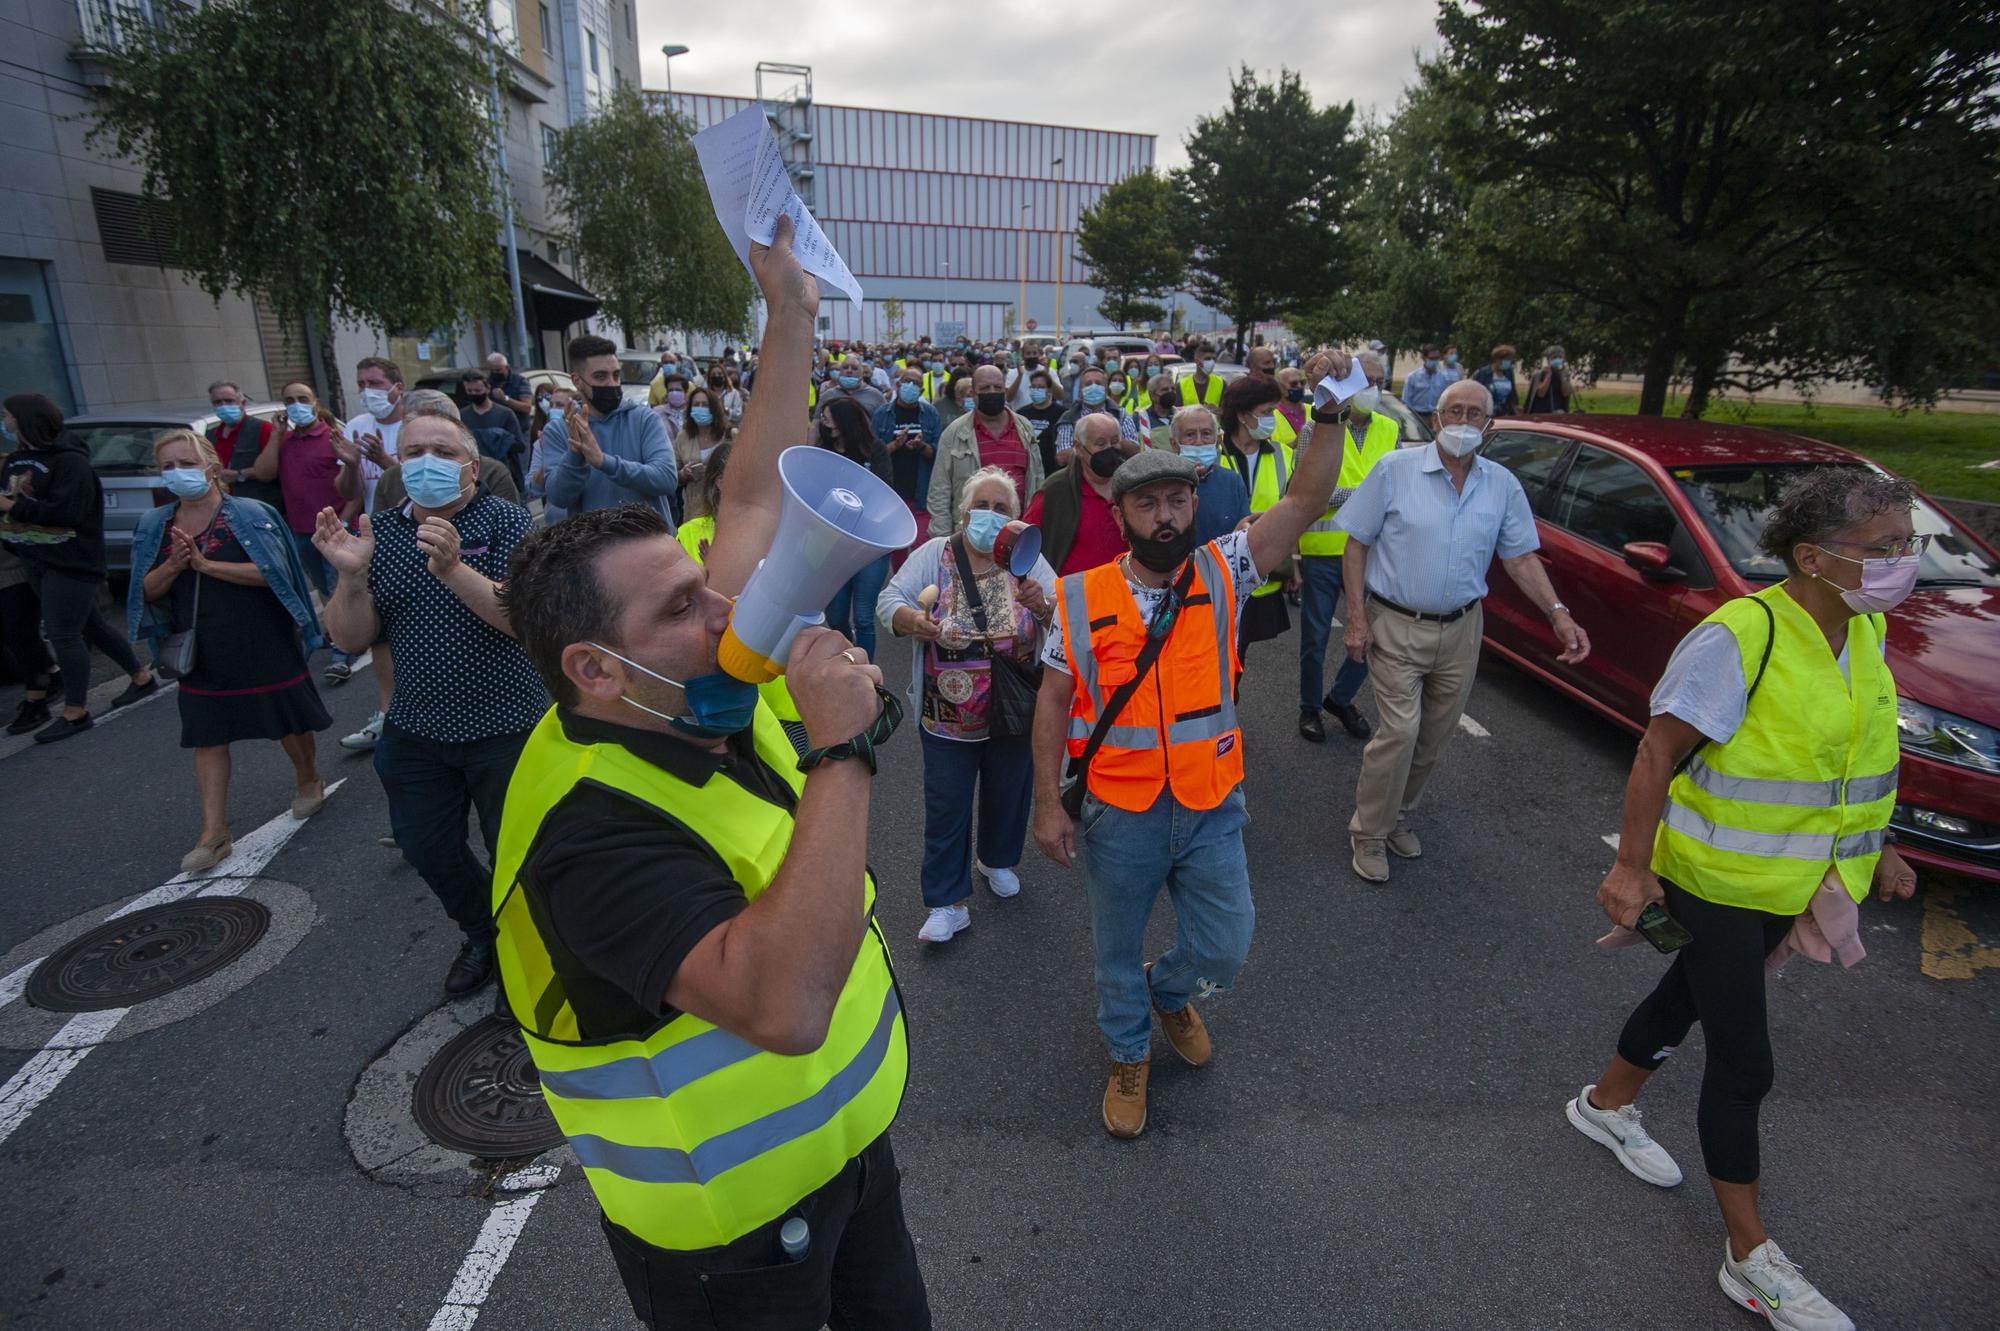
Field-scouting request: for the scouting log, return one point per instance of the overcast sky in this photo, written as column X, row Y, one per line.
column 1010, row 60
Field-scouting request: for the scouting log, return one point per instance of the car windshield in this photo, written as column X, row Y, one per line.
column 1414, row 431
column 121, row 449
column 637, row 371
column 1733, row 501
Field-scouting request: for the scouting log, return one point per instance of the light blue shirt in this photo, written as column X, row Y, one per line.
column 1429, row 543
column 1421, row 388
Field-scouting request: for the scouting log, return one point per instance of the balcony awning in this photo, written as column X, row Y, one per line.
column 557, row 300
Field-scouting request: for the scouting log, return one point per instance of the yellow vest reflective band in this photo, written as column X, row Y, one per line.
column 691, row 1136
column 1383, row 435
column 1212, row 395
column 1266, row 483
column 1809, row 779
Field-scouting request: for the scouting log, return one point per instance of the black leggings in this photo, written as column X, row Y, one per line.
column 73, row 626
column 21, row 634
column 1718, row 980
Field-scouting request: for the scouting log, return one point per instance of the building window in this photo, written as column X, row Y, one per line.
column 555, row 252
column 501, row 14
column 591, row 38
column 135, row 230
column 548, row 31
column 548, row 147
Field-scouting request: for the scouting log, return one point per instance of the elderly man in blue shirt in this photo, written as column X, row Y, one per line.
column 1422, row 530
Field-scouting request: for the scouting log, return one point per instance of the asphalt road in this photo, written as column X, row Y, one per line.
column 1379, row 1141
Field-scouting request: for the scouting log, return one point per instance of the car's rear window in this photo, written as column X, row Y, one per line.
column 1734, row 502
column 121, row 449
column 637, row 371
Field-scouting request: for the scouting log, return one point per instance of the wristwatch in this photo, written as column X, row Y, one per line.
column 1321, row 416
column 1557, row 606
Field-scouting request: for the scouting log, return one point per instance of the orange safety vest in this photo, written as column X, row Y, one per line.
column 1179, row 729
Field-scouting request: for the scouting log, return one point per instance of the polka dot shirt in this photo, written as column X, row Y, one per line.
column 458, row 678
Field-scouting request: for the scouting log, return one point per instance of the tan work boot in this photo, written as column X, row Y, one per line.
column 1125, row 1099
column 1370, row 858
column 1186, row 1031
column 1403, row 843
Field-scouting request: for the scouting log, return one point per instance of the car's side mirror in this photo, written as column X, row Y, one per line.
column 1651, row 558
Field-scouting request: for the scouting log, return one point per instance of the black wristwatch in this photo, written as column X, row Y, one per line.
column 863, row 745
column 1321, row 416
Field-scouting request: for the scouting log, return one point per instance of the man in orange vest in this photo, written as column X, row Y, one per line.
column 1140, row 688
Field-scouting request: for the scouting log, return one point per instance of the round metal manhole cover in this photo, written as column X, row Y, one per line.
column 481, row 1095
column 148, row 953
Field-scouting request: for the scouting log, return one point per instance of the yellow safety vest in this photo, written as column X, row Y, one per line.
column 1325, row 537
column 692, row 1136
column 1806, row 782
column 1266, row 485
column 773, row 691
column 1212, row 395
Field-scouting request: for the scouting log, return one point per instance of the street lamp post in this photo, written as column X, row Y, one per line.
column 1021, row 305
column 1061, row 181
column 670, row 52
column 506, row 192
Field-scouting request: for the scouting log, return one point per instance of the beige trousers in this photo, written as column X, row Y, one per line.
column 1421, row 672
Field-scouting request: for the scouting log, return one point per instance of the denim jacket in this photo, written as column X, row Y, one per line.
column 264, row 536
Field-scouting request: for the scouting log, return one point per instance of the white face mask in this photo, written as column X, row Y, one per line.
column 375, row 401
column 1458, row 440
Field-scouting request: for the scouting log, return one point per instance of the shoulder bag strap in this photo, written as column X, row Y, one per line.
column 1141, row 668
column 968, row 586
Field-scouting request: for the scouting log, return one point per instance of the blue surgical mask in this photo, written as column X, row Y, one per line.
column 1507, row 363
column 1118, row 387
column 982, row 528
column 1452, row 359
column 555, row 411
column 432, row 481
column 1263, row 427
column 300, row 414
column 1202, row 455
column 375, row 401
column 1555, row 362
column 908, row 393
column 186, row 482
column 1038, row 396
column 229, row 413
column 1431, row 365
column 1208, row 365
column 7, row 432
column 700, row 415
column 1093, row 394
column 719, row 704
column 850, row 381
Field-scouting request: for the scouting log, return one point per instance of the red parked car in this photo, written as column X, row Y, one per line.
column 1648, row 525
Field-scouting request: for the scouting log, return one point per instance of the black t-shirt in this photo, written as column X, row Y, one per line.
column 1046, row 417
column 904, row 463
column 621, row 892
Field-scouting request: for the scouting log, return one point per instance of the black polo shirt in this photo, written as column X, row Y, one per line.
column 620, row 891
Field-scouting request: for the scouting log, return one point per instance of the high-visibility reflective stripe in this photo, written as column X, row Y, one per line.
column 1212, row 726
column 720, row 1154
column 1774, row 845
column 666, row 1072
column 1802, row 794
column 1118, row 737
column 1860, row 843
column 1076, row 622
column 1210, row 569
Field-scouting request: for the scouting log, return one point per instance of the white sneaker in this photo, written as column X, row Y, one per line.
column 1620, row 1131
column 1768, row 1282
column 365, row 738
column 944, row 922
column 1004, row 882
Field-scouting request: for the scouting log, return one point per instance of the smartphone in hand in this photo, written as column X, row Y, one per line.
column 1662, row 930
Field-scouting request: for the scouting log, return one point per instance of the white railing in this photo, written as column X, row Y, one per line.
column 111, row 25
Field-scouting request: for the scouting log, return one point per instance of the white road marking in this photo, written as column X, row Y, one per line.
column 492, row 1248
column 1473, row 728
column 36, row 1079
column 1610, row 839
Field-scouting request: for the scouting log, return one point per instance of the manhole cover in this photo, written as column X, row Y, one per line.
column 480, row 1095
column 148, row 953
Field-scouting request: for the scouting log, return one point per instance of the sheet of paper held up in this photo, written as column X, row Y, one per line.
column 750, row 189
column 1332, row 392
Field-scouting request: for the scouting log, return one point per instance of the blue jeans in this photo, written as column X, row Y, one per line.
column 856, row 599
column 321, row 575
column 1199, row 857
column 1322, row 591
column 1003, row 769
column 432, row 785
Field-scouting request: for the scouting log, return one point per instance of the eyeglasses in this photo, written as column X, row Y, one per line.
column 1462, row 415
column 1916, row 545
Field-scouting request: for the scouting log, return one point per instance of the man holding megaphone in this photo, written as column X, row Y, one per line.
column 685, row 914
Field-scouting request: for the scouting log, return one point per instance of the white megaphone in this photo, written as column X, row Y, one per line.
column 838, row 518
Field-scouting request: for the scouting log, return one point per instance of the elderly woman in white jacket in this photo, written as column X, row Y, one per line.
column 966, row 758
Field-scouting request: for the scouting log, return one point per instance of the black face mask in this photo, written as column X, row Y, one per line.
column 478, row 397
column 1163, row 554
column 604, row 398
column 496, row 377
column 1105, row 462
column 829, row 438
column 1295, row 395
column 991, row 404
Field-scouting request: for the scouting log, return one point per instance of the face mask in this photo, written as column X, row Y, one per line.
column 850, row 381
column 1208, row 366
column 473, row 397
column 1038, row 396
column 1366, row 401
column 1163, row 554
column 982, row 528
column 432, row 481
column 1884, row 582
column 375, row 401
column 1093, row 394
column 908, row 393
column 1555, row 362
column 1105, row 462
column 700, row 415
column 1431, row 366
column 1118, row 388
column 1507, row 364
column 1295, row 394
column 300, row 414
column 1263, row 427
column 1458, row 440
column 1452, row 359
column 992, row 404
column 604, row 398
column 186, row 482
column 229, row 413
column 677, row 399
column 719, row 704
column 7, row 432
column 555, row 412
column 1202, row 455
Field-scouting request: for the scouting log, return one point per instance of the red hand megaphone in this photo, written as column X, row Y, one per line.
column 1018, row 546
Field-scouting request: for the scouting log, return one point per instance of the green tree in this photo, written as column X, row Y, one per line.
column 1263, row 198
column 892, row 319
column 1740, row 195
column 335, row 155
column 639, row 218
column 1128, row 240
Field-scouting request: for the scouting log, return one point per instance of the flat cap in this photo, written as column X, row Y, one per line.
column 1149, row 465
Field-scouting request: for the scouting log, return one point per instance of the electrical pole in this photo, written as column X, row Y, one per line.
column 519, row 352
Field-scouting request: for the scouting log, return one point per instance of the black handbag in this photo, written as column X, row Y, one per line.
column 176, row 655
column 1011, row 697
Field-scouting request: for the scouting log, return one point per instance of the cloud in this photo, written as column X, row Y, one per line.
column 1043, row 62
